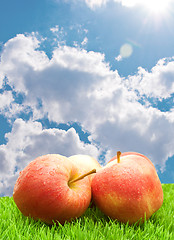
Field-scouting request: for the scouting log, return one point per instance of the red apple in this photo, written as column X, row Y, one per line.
column 51, row 188
column 128, row 188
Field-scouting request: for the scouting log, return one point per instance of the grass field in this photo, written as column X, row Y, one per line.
column 92, row 225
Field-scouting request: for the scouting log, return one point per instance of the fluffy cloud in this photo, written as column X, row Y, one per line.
column 78, row 86
column 5, row 100
column 159, row 83
column 21, row 50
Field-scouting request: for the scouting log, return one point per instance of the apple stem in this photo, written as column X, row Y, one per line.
column 118, row 156
column 82, row 176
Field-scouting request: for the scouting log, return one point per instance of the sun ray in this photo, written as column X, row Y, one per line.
column 154, row 6
column 157, row 6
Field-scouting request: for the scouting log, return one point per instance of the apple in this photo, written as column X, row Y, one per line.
column 85, row 163
column 128, row 188
column 51, row 188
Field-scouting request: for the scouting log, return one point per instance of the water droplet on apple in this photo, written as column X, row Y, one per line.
column 18, row 181
column 52, row 173
column 28, row 175
column 40, row 173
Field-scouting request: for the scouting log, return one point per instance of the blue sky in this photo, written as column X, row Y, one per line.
column 86, row 77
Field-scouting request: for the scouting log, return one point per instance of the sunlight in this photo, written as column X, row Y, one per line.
column 157, row 6
column 154, row 6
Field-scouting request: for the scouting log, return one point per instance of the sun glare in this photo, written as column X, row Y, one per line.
column 157, row 6
column 154, row 6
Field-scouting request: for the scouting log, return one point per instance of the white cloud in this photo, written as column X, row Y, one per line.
column 147, row 3
column 128, row 3
column 77, row 85
column 159, row 83
column 21, row 50
column 119, row 58
column 5, row 100
column 85, row 41
column 55, row 29
column 95, row 3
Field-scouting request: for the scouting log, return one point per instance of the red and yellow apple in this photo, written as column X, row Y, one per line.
column 51, row 188
column 128, row 188
column 85, row 163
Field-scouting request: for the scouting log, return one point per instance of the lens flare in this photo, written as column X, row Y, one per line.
column 126, row 50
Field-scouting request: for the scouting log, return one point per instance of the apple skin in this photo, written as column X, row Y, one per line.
column 129, row 191
column 85, row 163
column 42, row 190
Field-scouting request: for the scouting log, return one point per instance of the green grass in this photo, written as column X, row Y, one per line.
column 92, row 225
